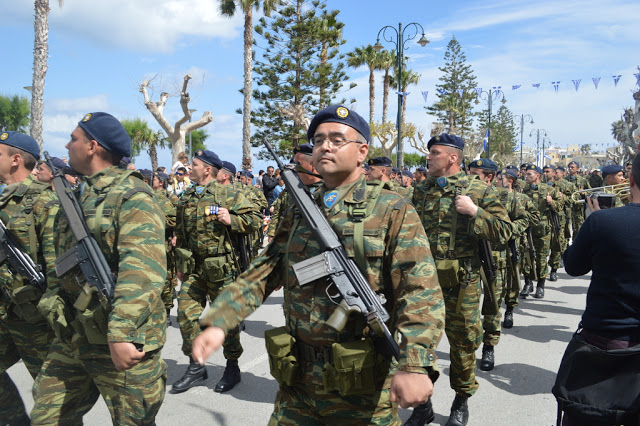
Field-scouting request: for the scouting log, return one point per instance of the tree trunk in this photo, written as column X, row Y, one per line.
column 385, row 96
column 153, row 154
column 246, row 105
column 372, row 94
column 40, row 51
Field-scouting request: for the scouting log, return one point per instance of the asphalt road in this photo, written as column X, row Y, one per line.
column 517, row 391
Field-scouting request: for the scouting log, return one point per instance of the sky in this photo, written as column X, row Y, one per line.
column 100, row 51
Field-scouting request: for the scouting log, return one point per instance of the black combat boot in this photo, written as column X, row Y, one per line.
column 230, row 377
column 486, row 364
column 195, row 373
column 508, row 317
column 168, row 317
column 528, row 288
column 459, row 412
column 540, row 289
column 553, row 276
column 422, row 415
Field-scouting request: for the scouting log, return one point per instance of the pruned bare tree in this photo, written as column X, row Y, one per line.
column 182, row 127
column 297, row 113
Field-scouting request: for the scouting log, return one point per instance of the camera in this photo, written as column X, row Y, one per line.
column 605, row 201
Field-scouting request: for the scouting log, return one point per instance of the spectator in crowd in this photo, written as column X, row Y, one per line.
column 257, row 181
column 269, row 182
column 278, row 189
column 180, row 182
column 183, row 161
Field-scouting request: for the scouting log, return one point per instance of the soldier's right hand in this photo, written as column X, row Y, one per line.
column 125, row 355
column 207, row 342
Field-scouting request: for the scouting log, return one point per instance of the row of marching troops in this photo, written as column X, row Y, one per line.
column 71, row 337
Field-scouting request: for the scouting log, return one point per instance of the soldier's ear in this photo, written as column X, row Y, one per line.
column 363, row 150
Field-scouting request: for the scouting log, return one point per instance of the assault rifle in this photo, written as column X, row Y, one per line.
column 531, row 254
column 87, row 254
column 334, row 263
column 513, row 265
column 488, row 274
column 22, row 264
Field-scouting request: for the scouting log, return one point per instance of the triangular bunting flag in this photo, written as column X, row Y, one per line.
column 576, row 83
column 536, row 85
column 556, row 84
column 596, row 80
column 515, row 87
column 478, row 91
column 637, row 79
column 616, row 79
column 460, row 92
column 442, row 92
column 424, row 95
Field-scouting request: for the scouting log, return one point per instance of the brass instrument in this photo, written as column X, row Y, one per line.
column 620, row 190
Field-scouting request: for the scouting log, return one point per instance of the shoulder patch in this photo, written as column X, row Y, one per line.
column 401, row 203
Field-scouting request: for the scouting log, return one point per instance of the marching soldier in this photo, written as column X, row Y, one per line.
column 580, row 182
column 307, row 349
column 27, row 207
column 255, row 195
column 564, row 190
column 457, row 210
column 613, row 175
column 208, row 214
column 108, row 348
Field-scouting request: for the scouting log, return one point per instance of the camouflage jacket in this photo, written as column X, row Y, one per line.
column 254, row 194
column 394, row 241
column 27, row 209
column 580, row 182
column 566, row 188
column 281, row 205
column 131, row 233
column 520, row 212
column 435, row 203
column 169, row 210
column 197, row 228
column 538, row 195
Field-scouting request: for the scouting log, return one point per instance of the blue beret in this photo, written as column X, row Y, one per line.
column 108, row 132
column 446, row 140
column 549, row 166
column 58, row 163
column 380, row 161
column 305, row 148
column 524, row 165
column 534, row 168
column 511, row 167
column 162, row 176
column 407, row 173
column 421, row 170
column 339, row 114
column 562, row 169
column 611, row 169
column 229, row 166
column 146, row 173
column 209, row 157
column 509, row 172
column 365, row 166
column 484, row 164
column 21, row 141
column 574, row 162
column 395, row 170
column 247, row 173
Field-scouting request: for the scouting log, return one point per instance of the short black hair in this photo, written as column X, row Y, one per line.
column 635, row 169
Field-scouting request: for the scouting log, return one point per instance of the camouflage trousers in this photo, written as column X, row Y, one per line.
column 307, row 403
column 511, row 289
column 192, row 299
column 577, row 218
column 75, row 375
column 558, row 247
column 491, row 324
column 464, row 332
column 542, row 243
column 30, row 342
column 168, row 291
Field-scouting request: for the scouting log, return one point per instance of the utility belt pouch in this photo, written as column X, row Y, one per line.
column 185, row 261
column 25, row 300
column 54, row 309
column 448, row 270
column 353, row 368
column 215, row 268
column 283, row 362
column 92, row 324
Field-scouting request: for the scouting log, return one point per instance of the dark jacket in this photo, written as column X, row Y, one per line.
column 268, row 184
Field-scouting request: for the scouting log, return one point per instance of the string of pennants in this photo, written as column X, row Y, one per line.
column 555, row 84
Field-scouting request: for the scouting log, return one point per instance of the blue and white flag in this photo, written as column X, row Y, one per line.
column 637, row 79
column 616, row 79
column 576, row 83
column 536, row 85
column 424, row 95
column 461, row 92
column 596, row 80
column 478, row 91
column 442, row 92
column 547, row 157
column 556, row 84
column 515, row 87
column 485, row 141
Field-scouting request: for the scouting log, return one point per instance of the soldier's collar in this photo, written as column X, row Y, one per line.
column 104, row 177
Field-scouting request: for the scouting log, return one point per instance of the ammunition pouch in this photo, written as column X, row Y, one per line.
column 283, row 362
column 25, row 301
column 353, row 370
column 215, row 268
column 54, row 309
column 185, row 262
column 92, row 324
column 449, row 272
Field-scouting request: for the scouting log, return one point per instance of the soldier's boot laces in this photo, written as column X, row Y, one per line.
column 553, row 276
column 487, row 362
column 528, row 288
column 540, row 289
column 422, row 415
column 459, row 412
column 230, row 377
column 508, row 317
column 194, row 374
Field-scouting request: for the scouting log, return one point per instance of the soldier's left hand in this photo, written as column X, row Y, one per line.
column 410, row 389
column 224, row 217
column 124, row 355
column 465, row 205
column 549, row 199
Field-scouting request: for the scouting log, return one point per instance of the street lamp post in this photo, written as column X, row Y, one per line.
column 490, row 96
column 546, row 143
column 191, row 111
column 524, row 119
column 399, row 43
column 537, row 132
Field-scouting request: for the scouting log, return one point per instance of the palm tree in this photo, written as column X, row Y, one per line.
column 142, row 137
column 366, row 56
column 409, row 77
column 386, row 60
column 228, row 8
column 40, row 53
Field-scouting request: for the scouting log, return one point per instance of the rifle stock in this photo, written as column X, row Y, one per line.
column 22, row 264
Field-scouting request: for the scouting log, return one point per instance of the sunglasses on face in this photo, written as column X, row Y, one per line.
column 179, row 174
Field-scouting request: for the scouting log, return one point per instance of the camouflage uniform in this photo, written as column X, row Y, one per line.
column 280, row 208
column 169, row 210
column 215, row 258
column 458, row 266
column 256, row 196
column 512, row 290
column 394, row 241
column 25, row 209
column 577, row 216
column 566, row 188
column 542, row 233
column 128, row 225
